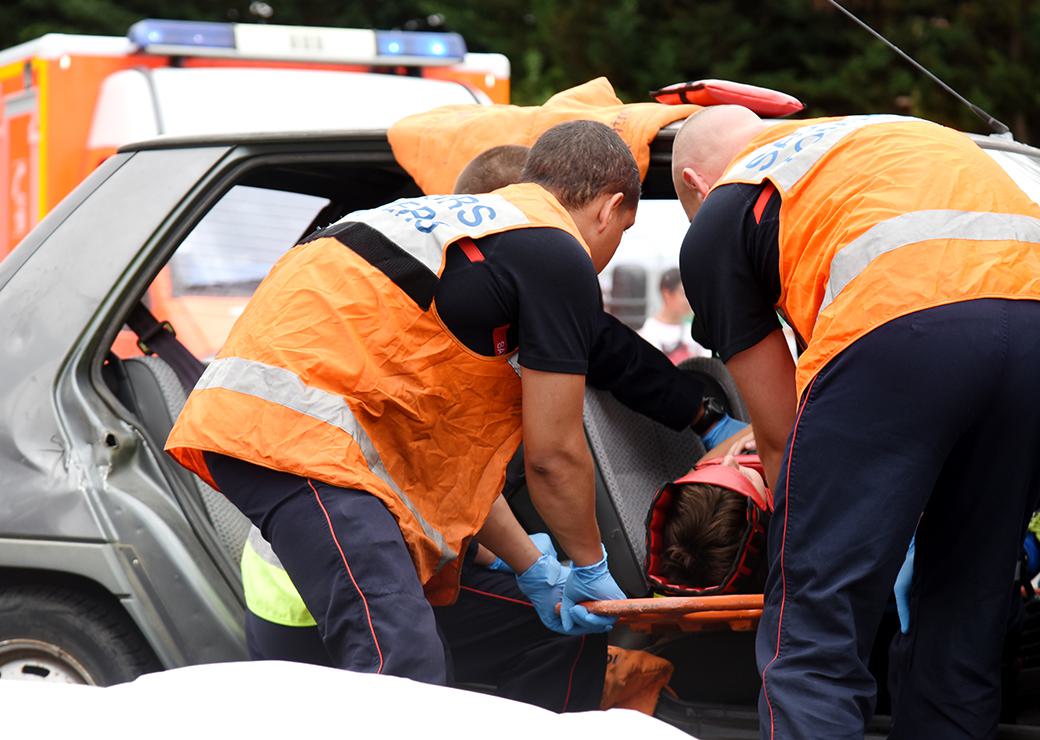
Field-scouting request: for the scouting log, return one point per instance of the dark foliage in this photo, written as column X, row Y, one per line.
column 986, row 49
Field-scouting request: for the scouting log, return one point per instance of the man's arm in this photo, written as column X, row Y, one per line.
column 558, row 462
column 504, row 537
column 641, row 376
column 764, row 374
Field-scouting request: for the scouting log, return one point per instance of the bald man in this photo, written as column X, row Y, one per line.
column 905, row 260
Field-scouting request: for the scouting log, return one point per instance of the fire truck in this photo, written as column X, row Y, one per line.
column 68, row 102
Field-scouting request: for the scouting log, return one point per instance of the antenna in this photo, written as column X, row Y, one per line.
column 995, row 126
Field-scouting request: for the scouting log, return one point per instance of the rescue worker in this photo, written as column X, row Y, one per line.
column 492, row 169
column 908, row 263
column 277, row 623
column 362, row 411
column 528, row 663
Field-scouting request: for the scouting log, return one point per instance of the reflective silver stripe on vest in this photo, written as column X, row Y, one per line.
column 283, row 387
column 919, row 226
column 786, row 160
column 263, row 548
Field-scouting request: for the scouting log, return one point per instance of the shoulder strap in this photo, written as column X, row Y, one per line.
column 159, row 338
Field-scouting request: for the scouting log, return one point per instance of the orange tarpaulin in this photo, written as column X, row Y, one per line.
column 634, row 679
column 434, row 146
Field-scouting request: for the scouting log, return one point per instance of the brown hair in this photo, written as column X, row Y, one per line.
column 493, row 169
column 703, row 535
column 578, row 161
column 671, row 280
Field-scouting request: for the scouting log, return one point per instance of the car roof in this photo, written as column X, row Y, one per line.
column 660, row 146
column 261, row 137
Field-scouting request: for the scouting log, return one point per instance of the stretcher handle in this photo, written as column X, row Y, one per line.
column 675, row 605
column 725, row 615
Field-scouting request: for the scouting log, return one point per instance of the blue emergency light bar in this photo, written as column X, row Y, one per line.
column 420, row 44
column 297, row 43
column 191, row 34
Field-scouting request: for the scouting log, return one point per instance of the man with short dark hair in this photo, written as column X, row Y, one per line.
column 593, row 156
column 492, row 169
column 365, row 405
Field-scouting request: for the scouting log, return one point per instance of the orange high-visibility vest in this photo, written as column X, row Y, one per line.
column 340, row 370
column 883, row 216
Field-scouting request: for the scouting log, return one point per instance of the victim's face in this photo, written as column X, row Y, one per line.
column 750, row 473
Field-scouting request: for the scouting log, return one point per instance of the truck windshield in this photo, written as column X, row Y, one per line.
column 238, row 241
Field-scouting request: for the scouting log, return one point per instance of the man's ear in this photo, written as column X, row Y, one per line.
column 695, row 182
column 608, row 209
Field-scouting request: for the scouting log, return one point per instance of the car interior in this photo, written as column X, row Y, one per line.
column 147, row 383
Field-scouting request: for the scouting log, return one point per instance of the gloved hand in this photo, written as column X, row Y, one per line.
column 543, row 584
column 722, row 430
column 902, row 587
column 541, row 540
column 588, row 583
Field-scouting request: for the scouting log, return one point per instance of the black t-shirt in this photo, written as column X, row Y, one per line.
column 730, row 265
column 536, row 290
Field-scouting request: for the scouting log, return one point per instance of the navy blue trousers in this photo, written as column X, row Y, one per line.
column 932, row 418
column 345, row 554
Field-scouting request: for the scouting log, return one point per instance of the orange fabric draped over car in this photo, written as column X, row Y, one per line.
column 883, row 216
column 340, row 369
column 434, row 146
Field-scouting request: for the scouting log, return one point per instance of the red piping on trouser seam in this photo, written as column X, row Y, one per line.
column 783, row 548
column 496, row 596
column 570, row 678
column 581, row 645
column 364, row 601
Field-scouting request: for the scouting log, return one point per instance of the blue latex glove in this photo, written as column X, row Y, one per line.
column 541, row 540
column 588, row 583
column 543, row 584
column 722, row 430
column 902, row 587
column 1032, row 548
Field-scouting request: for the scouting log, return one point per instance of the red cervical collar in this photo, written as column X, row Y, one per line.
column 715, row 473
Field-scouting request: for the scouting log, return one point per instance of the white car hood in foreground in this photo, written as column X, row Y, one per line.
column 285, row 700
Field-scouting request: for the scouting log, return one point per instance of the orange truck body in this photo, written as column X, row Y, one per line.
column 47, row 104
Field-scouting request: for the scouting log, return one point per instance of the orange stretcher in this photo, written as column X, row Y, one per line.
column 737, row 612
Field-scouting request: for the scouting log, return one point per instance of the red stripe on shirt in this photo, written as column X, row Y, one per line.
column 760, row 205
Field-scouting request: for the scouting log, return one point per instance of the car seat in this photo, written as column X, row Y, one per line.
column 634, row 456
column 157, row 396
